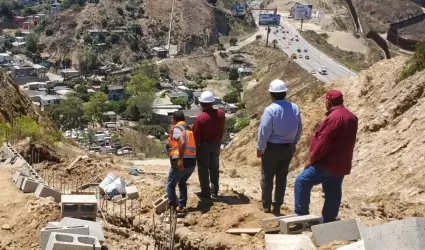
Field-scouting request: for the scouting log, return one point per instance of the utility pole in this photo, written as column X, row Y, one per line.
column 171, row 25
column 302, row 20
column 268, row 32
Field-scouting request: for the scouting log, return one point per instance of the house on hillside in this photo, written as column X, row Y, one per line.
column 55, row 7
column 115, row 92
column 69, row 73
column 159, row 52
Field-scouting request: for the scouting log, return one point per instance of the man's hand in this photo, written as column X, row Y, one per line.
column 180, row 164
column 259, row 153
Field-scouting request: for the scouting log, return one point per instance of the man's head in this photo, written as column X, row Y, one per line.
column 206, row 99
column 178, row 116
column 278, row 90
column 333, row 98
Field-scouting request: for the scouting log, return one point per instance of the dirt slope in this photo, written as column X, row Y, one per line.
column 13, row 103
column 386, row 181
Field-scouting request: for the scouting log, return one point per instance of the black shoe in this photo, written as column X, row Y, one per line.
column 202, row 196
column 214, row 195
column 267, row 210
column 276, row 210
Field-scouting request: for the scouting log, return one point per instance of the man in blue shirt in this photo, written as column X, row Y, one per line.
column 278, row 134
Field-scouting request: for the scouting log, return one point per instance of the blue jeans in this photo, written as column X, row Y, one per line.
column 178, row 177
column 332, row 186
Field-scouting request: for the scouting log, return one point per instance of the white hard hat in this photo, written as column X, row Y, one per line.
column 207, row 97
column 277, row 86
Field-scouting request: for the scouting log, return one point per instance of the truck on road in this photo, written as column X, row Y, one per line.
column 322, row 70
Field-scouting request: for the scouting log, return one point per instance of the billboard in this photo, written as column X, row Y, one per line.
column 239, row 9
column 302, row 11
column 269, row 20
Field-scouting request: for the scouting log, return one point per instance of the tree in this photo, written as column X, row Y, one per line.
column 88, row 60
column 119, row 106
column 68, row 114
column 6, row 8
column 80, row 88
column 31, row 44
column 140, row 83
column 231, row 97
column 164, row 71
column 66, row 62
column 179, row 101
column 233, row 74
column 237, row 85
column 50, row 88
column 233, row 41
column 95, row 107
column 104, row 88
column 148, row 68
column 140, row 106
column 416, row 63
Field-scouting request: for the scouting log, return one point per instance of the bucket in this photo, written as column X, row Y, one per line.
column 108, row 180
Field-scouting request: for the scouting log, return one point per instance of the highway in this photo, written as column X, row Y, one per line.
column 317, row 58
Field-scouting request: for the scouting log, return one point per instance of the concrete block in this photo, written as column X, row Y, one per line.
column 396, row 235
column 160, row 205
column 64, row 241
column 288, row 242
column 46, row 191
column 16, row 176
column 95, row 229
column 45, row 233
column 79, row 206
column 132, row 192
column 53, row 224
column 19, row 181
column 300, row 222
column 345, row 230
column 359, row 245
column 29, row 185
column 266, row 226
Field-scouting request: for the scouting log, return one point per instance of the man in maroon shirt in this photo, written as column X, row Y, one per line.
column 208, row 130
column 331, row 153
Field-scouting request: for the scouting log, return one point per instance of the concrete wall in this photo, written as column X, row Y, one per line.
column 380, row 42
column 394, row 38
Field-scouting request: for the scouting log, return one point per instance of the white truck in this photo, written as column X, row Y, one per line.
column 322, row 70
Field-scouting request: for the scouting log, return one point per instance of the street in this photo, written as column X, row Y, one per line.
column 316, row 57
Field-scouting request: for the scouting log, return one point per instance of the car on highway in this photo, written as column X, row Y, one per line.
column 296, row 35
column 300, row 56
column 307, row 57
column 287, row 31
column 296, row 40
column 289, row 43
column 313, row 71
column 294, row 56
column 283, row 37
column 299, row 50
column 305, row 50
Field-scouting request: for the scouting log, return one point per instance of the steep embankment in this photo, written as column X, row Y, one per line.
column 13, row 103
column 387, row 178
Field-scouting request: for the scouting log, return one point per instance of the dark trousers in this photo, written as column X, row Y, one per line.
column 175, row 176
column 332, row 186
column 275, row 163
column 208, row 156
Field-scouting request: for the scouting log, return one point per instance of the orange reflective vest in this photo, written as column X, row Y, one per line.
column 190, row 150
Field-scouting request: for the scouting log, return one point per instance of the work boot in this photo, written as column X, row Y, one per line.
column 276, row 211
column 267, row 210
column 181, row 210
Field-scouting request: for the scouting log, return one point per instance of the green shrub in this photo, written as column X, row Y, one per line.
column 241, row 123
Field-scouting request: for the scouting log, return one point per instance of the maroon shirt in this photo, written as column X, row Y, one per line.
column 332, row 144
column 209, row 126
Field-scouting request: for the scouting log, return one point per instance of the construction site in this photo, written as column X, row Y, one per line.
column 58, row 193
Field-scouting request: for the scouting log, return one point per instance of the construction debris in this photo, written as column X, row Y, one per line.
column 248, row 231
column 346, row 230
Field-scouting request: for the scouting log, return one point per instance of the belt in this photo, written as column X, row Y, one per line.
column 276, row 145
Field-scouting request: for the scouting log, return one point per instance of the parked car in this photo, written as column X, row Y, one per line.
column 307, row 57
column 299, row 50
column 305, row 50
column 124, row 150
column 300, row 56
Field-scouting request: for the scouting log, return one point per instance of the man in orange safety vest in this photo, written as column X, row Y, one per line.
column 182, row 152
